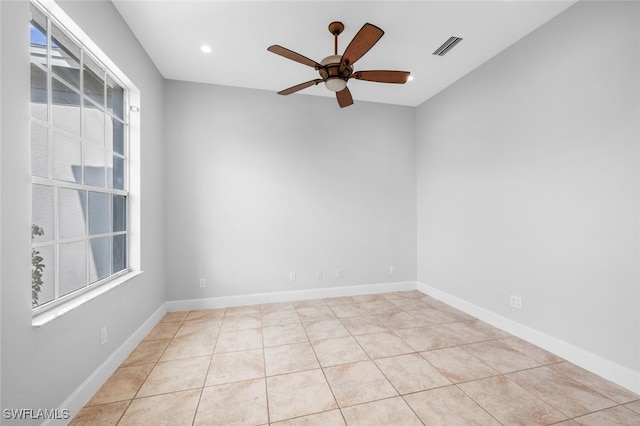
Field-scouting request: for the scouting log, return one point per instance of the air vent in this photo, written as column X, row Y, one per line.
column 447, row 46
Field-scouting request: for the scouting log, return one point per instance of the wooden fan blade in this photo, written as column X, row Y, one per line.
column 299, row 87
column 399, row 77
column 344, row 97
column 363, row 41
column 290, row 54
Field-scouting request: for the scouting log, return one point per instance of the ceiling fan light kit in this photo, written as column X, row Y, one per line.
column 336, row 70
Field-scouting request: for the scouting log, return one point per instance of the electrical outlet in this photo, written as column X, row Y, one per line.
column 392, row 269
column 103, row 335
column 340, row 273
column 203, row 282
column 319, row 275
column 292, row 276
column 515, row 301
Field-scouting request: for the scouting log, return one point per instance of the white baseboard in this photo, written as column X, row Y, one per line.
column 287, row 296
column 90, row 386
column 610, row 370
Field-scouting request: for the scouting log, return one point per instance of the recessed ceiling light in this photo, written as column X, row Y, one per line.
column 205, row 48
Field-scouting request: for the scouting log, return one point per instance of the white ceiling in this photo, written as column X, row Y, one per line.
column 239, row 33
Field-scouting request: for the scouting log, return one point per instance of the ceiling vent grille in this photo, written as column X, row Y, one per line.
column 447, row 46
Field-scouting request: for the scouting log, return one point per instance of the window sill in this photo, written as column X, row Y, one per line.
column 49, row 315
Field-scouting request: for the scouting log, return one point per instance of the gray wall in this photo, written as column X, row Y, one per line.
column 41, row 367
column 528, row 182
column 260, row 185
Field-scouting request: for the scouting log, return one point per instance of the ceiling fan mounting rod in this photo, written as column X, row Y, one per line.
column 336, row 28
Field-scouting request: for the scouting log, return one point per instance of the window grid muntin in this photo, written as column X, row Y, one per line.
column 56, row 184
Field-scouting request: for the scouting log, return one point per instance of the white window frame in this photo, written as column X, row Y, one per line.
column 53, row 309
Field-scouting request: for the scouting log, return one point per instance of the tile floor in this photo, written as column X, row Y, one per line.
column 398, row 358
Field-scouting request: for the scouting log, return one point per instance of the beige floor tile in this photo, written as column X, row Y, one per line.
column 298, row 394
column 460, row 333
column 410, row 304
column 325, row 329
column 178, row 316
column 241, row 321
column 284, row 334
column 176, row 375
column 400, row 319
column 380, row 306
column 378, row 345
column 289, row 359
column 567, row 423
column 205, row 314
column 310, row 303
column 100, row 415
column 357, row 383
column 597, row 383
column 163, row 330
column 423, row 338
column 202, row 326
column 175, row 409
column 235, row 367
column 500, row 356
column 249, row 310
column 326, row 418
column 276, row 307
column 635, row 406
column 280, row 317
column 532, row 351
column 568, row 396
column 348, row 310
column 510, row 403
column 387, row 412
column 338, row 351
column 431, row 316
column 189, row 346
column 240, row 340
column 123, row 384
column 619, row 415
column 147, row 352
column 363, row 325
column 458, row 365
column 448, row 406
column 241, row 403
column 411, row 373
column 487, row 329
column 315, row 313
column 341, row 300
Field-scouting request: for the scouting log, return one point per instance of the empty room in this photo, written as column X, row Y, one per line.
column 320, row 212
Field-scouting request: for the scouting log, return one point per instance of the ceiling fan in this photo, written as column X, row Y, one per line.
column 336, row 70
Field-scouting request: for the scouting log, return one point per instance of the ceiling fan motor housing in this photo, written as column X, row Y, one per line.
column 334, row 80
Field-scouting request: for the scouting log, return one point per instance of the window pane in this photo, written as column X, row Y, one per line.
column 38, row 93
column 43, row 269
column 73, row 267
column 42, row 213
column 119, row 213
column 38, row 37
column 67, row 158
column 94, row 166
column 115, row 98
column 98, row 213
column 119, row 253
column 117, row 178
column 66, row 107
column 39, row 150
column 99, row 260
column 65, row 57
column 93, row 81
column 93, row 125
column 118, row 137
column 71, row 212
